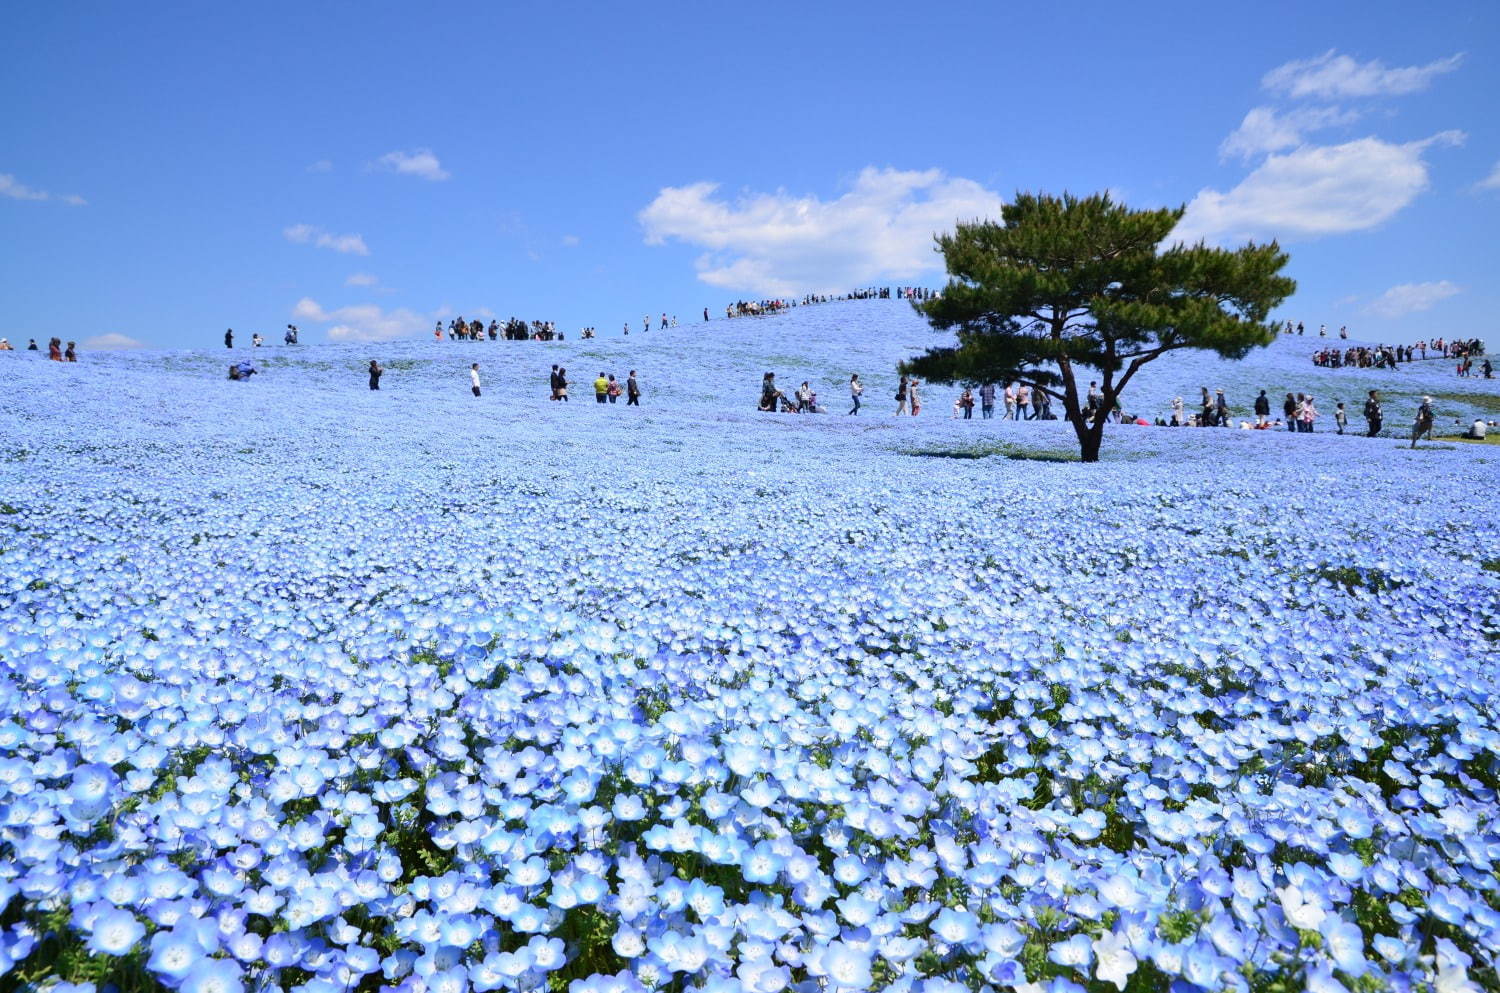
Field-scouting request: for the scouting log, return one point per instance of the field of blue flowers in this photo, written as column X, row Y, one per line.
column 308, row 687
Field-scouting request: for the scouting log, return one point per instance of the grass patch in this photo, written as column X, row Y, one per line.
column 1001, row 450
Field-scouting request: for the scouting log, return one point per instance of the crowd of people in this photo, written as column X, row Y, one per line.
column 1388, row 356
column 1022, row 402
column 762, row 308
column 56, row 351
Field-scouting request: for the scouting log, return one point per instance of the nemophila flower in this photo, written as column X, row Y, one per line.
column 845, row 966
column 1074, row 952
column 115, row 933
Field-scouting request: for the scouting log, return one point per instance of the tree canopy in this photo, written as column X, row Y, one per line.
column 1068, row 288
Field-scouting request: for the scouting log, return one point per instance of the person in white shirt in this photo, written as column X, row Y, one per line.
column 1477, row 430
column 474, row 378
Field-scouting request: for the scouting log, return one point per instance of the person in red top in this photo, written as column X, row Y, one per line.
column 54, row 350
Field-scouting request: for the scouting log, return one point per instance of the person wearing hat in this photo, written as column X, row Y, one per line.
column 5, row 345
column 1423, row 423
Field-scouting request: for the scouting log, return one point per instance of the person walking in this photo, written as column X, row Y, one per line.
column 1009, row 398
column 632, row 391
column 1372, row 414
column 1340, row 418
column 474, row 379
column 1262, row 408
column 913, row 396
column 1221, row 409
column 901, row 389
column 229, row 337
column 613, row 389
column 562, row 384
column 855, row 389
column 987, row 400
column 1023, row 403
column 601, row 389
column 1423, row 423
column 705, row 315
column 376, row 370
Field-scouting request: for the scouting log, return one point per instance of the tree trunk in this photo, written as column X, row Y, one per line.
column 1090, row 434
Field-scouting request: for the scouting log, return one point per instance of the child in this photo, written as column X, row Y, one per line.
column 1340, row 418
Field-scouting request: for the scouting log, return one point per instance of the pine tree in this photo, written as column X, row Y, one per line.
column 1069, row 289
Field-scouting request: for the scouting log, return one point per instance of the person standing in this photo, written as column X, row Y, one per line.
column 33, row 346
column 705, row 315
column 613, row 389
column 855, row 389
column 913, row 396
column 1340, row 418
column 632, row 391
column 1221, row 409
column 1306, row 415
column 987, row 400
column 552, row 381
column 54, row 350
column 376, row 371
column 1009, row 398
column 804, row 398
column 1289, row 411
column 601, row 389
column 1262, row 408
column 474, row 379
column 229, row 337
column 255, row 339
column 562, row 384
column 901, row 389
column 1372, row 413
column 966, row 404
column 1178, row 415
column 71, row 354
column 1023, row 403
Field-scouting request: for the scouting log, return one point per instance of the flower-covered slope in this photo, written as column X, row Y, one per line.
column 312, row 687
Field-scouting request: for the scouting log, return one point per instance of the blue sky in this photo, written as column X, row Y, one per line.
column 363, row 169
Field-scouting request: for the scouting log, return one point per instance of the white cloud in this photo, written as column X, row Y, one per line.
column 570, row 240
column 1316, row 190
column 305, row 234
column 1408, row 298
column 781, row 245
column 9, row 187
column 418, row 162
column 1329, row 76
column 1266, row 130
column 322, row 165
column 362, row 322
column 362, row 279
column 112, row 340
column 1490, row 182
